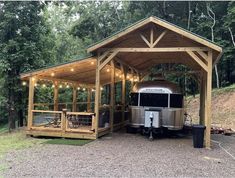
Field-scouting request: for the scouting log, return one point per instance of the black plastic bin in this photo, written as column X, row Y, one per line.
column 198, row 135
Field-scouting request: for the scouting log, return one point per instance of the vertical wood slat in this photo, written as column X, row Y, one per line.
column 208, row 86
column 97, row 97
column 56, row 94
column 112, row 93
column 74, row 109
column 32, row 82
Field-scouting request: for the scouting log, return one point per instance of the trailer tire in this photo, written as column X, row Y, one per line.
column 130, row 129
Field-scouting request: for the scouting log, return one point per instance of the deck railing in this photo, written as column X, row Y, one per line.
column 80, row 106
column 63, row 121
column 51, row 120
column 80, row 122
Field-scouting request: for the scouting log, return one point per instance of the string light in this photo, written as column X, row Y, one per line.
column 53, row 86
column 67, row 86
column 72, row 69
column 60, row 86
column 43, row 85
column 84, row 89
column 117, row 75
column 108, row 70
column 128, row 77
column 136, row 80
column 92, row 90
column 78, row 88
column 35, row 84
column 24, row 83
column 92, row 63
column 101, row 88
column 33, row 79
column 52, row 74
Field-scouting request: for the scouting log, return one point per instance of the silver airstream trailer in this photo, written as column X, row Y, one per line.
column 155, row 105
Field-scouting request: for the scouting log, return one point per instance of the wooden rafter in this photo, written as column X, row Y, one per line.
column 145, row 40
column 106, row 61
column 198, row 60
column 159, row 38
column 125, row 64
column 203, row 55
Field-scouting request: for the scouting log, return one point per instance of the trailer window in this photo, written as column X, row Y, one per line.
column 176, row 101
column 134, row 99
column 154, row 99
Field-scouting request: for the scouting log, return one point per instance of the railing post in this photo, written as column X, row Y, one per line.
column 64, row 120
column 56, row 92
column 74, row 109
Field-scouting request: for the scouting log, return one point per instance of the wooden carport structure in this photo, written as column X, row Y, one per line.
column 128, row 55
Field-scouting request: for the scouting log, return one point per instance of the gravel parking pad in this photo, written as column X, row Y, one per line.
column 124, row 155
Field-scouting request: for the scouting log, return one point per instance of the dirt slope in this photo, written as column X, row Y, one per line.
column 223, row 107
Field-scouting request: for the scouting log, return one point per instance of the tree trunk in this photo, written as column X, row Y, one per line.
column 217, row 76
column 211, row 14
column 11, row 112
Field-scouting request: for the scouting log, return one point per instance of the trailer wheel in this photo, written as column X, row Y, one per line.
column 130, row 129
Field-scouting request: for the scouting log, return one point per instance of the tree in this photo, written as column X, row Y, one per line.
column 21, row 49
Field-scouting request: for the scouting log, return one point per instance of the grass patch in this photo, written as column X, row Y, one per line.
column 3, row 128
column 227, row 89
column 216, row 91
column 16, row 140
column 67, row 142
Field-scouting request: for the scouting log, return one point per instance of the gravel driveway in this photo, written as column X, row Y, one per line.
column 124, row 155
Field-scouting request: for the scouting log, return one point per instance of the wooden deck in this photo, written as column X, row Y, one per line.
column 82, row 133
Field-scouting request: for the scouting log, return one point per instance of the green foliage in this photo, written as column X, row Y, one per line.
column 16, row 140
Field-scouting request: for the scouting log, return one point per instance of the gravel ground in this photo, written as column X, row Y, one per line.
column 124, row 155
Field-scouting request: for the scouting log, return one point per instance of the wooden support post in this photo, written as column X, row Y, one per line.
column 97, row 97
column 74, row 109
column 208, row 102
column 202, row 101
column 32, row 82
column 132, row 81
column 89, row 100
column 123, row 93
column 64, row 120
column 56, row 94
column 112, row 95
